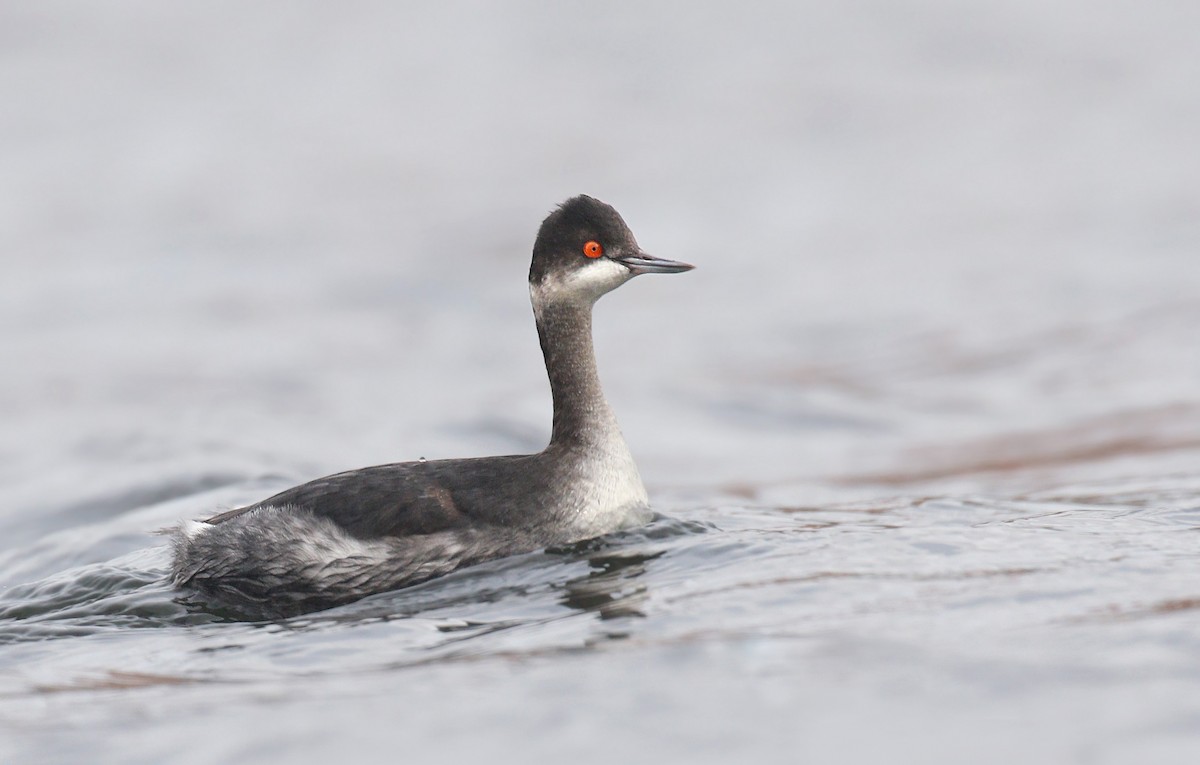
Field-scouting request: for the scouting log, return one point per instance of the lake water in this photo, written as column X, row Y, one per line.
column 922, row 429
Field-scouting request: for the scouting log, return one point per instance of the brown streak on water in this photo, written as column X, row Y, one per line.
column 1133, row 432
column 118, row 680
column 821, row 576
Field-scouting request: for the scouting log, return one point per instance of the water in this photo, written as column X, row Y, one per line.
column 922, row 429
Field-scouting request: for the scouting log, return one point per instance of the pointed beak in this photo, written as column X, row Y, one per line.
column 641, row 263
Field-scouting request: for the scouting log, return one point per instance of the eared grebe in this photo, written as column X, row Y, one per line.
column 349, row 535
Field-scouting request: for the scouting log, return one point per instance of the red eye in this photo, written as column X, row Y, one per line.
column 593, row 249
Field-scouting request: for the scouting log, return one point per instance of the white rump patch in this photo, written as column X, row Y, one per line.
column 314, row 540
column 193, row 529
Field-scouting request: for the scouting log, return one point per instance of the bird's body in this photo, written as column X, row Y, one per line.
column 363, row 531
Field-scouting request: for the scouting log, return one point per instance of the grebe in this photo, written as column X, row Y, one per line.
column 345, row 536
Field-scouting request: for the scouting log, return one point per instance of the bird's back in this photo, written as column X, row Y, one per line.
column 406, row 498
column 347, row 535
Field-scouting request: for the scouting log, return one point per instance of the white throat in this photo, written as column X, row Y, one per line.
column 582, row 286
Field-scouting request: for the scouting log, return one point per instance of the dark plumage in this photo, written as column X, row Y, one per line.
column 351, row 534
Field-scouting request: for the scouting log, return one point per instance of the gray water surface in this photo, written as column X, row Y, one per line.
column 922, row 430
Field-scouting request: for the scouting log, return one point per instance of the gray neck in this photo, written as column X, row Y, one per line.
column 581, row 414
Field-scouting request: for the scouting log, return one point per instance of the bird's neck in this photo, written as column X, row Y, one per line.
column 582, row 416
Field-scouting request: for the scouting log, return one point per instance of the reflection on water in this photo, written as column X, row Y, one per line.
column 613, row 588
column 969, row 592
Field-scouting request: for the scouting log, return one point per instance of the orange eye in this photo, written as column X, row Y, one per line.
column 593, row 249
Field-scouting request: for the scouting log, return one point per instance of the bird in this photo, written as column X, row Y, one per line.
column 343, row 537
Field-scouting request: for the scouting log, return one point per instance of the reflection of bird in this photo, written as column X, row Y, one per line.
column 610, row 590
column 363, row 531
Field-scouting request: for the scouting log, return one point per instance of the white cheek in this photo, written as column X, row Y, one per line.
column 586, row 284
column 598, row 277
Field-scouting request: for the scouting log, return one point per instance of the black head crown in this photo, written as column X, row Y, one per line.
column 569, row 229
column 585, row 233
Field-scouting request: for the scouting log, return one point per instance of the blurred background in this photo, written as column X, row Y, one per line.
column 247, row 231
column 943, row 250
